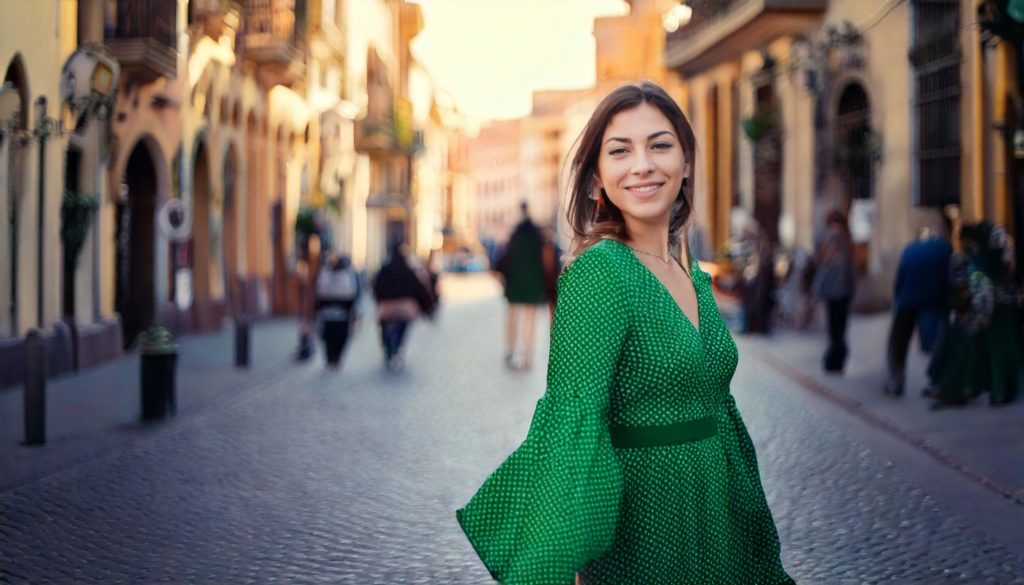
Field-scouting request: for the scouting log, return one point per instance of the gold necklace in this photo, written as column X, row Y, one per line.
column 652, row 254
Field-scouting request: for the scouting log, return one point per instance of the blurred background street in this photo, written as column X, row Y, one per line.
column 204, row 376
column 295, row 473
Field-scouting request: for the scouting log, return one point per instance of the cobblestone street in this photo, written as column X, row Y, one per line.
column 354, row 477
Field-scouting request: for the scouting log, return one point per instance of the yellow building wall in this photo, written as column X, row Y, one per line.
column 34, row 33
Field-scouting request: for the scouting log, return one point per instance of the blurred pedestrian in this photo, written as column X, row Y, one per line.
column 337, row 297
column 433, row 267
column 552, row 258
column 637, row 467
column 834, row 281
column 983, row 350
column 522, row 271
column 402, row 296
column 919, row 301
column 757, row 288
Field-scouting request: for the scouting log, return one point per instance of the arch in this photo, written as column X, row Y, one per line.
column 135, row 240
column 229, row 212
column 205, row 265
column 17, row 75
column 768, row 165
column 853, row 155
column 12, row 162
column 254, row 173
column 72, row 178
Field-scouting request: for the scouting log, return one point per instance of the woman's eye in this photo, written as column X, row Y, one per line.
column 617, row 151
column 662, row 146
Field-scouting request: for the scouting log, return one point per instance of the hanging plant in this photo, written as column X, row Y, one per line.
column 760, row 125
column 873, row 147
column 76, row 213
column 305, row 222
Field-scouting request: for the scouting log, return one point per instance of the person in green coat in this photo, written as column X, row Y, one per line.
column 984, row 348
column 522, row 272
column 637, row 467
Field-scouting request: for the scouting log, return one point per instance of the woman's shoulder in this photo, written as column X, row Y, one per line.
column 603, row 256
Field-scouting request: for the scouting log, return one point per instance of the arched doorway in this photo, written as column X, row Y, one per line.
column 255, row 231
column 279, row 224
column 854, row 142
column 768, row 163
column 72, row 189
column 207, row 282
column 854, row 154
column 230, row 211
column 15, row 90
column 135, row 242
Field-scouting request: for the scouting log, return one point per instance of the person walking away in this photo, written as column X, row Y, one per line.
column 522, row 271
column 433, row 268
column 919, row 301
column 337, row 296
column 401, row 297
column 834, row 282
column 552, row 258
column 758, row 280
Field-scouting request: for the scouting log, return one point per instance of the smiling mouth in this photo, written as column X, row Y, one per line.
column 644, row 189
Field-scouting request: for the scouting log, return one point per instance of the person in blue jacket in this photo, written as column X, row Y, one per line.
column 920, row 301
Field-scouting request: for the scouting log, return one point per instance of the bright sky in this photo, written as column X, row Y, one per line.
column 490, row 54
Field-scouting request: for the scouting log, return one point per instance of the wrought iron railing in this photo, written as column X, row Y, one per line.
column 936, row 57
column 134, row 19
column 275, row 22
column 705, row 13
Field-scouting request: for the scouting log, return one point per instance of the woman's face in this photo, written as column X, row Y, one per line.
column 642, row 165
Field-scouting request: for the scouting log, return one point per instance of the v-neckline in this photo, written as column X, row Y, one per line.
column 698, row 326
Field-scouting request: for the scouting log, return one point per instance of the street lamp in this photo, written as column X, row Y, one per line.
column 678, row 16
column 96, row 97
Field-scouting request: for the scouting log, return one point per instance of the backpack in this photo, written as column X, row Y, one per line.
column 342, row 285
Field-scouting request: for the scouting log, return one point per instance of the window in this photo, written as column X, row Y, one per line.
column 936, row 59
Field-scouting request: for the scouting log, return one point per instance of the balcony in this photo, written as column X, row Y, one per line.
column 275, row 40
column 214, row 17
column 142, row 36
column 390, row 132
column 724, row 29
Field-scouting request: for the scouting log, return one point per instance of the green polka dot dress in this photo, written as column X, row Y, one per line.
column 637, row 467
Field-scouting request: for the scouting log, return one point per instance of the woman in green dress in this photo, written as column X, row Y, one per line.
column 637, row 467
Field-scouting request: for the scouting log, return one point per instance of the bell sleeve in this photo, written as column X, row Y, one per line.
column 552, row 505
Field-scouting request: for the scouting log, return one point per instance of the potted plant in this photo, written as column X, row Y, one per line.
column 760, row 124
column 159, row 356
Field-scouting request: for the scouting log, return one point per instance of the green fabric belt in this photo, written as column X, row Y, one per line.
column 665, row 435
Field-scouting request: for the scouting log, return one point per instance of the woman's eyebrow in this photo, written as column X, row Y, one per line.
column 650, row 137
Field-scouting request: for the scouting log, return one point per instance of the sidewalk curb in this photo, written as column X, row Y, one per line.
column 858, row 408
column 227, row 395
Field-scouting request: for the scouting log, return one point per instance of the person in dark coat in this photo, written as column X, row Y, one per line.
column 834, row 282
column 984, row 348
column 758, row 280
column 402, row 296
column 522, row 271
column 337, row 293
column 920, row 301
column 552, row 258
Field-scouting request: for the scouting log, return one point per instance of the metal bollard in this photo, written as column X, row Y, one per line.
column 242, row 334
column 35, row 388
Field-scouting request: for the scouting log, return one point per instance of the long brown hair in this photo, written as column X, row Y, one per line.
column 591, row 220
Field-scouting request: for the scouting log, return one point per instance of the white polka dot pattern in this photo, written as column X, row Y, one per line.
column 566, row 501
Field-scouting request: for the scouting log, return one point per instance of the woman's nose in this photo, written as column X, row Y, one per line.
column 642, row 164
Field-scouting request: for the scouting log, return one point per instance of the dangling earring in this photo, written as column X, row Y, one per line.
column 595, row 194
